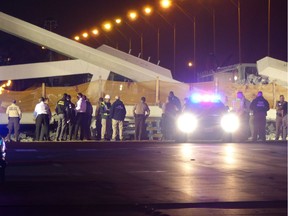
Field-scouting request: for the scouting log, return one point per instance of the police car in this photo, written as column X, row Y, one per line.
column 206, row 118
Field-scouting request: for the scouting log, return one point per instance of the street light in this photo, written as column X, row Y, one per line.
column 118, row 21
column 85, row 35
column 95, row 34
column 165, row 3
column 95, row 31
column 132, row 15
column 147, row 10
column 107, row 26
column 77, row 38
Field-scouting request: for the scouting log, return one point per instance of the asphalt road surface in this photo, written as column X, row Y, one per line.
column 145, row 178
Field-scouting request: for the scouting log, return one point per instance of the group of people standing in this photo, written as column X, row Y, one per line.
column 110, row 119
column 74, row 120
column 77, row 118
column 253, row 117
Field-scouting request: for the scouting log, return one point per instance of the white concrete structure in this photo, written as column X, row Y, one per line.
column 275, row 69
column 57, row 68
column 105, row 58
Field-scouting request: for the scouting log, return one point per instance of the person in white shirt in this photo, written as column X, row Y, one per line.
column 42, row 114
column 80, row 116
column 14, row 115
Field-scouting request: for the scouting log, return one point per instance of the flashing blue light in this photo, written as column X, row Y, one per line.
column 208, row 98
column 196, row 98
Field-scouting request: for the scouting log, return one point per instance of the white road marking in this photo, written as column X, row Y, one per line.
column 259, row 149
column 148, row 171
column 26, row 150
column 87, row 150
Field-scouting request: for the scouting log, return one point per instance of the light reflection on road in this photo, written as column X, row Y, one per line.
column 230, row 154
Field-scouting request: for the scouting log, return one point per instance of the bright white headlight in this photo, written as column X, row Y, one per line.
column 230, row 122
column 187, row 122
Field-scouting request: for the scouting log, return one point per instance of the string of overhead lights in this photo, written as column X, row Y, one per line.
column 132, row 15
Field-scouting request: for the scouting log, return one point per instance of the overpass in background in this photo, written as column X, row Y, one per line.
column 98, row 62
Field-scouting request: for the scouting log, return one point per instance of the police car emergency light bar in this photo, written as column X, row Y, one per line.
column 209, row 98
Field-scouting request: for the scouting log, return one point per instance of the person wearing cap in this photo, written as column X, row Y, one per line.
column 14, row 115
column 140, row 111
column 259, row 106
column 118, row 113
column 80, row 116
column 105, row 118
column 60, row 110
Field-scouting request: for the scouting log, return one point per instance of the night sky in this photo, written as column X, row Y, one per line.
column 73, row 17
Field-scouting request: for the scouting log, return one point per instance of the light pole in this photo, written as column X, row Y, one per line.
column 132, row 15
column 239, row 31
column 212, row 12
column 118, row 21
column 269, row 23
column 147, row 11
column 238, row 6
column 193, row 21
column 165, row 4
column 140, row 35
column 107, row 27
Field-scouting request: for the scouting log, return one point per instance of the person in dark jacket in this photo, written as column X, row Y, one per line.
column 71, row 117
column 117, row 113
column 106, row 121
column 285, row 122
column 259, row 107
column 170, row 111
column 61, row 114
column 88, row 118
column 175, row 100
column 280, row 113
column 98, row 118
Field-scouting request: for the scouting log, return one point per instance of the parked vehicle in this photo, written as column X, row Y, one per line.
column 206, row 117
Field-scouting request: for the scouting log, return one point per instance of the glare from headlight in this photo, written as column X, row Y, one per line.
column 187, row 122
column 230, row 123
